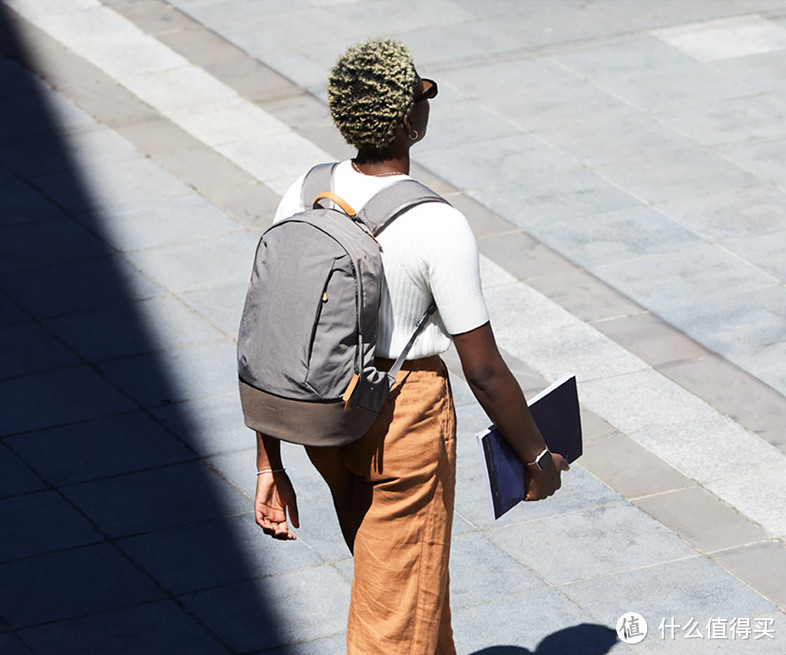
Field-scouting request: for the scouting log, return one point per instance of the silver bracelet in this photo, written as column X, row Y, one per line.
column 281, row 470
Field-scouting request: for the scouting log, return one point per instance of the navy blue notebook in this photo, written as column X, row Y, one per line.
column 556, row 413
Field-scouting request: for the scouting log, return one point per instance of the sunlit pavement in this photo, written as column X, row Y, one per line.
column 621, row 163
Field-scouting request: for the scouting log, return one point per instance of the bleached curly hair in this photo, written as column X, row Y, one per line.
column 370, row 89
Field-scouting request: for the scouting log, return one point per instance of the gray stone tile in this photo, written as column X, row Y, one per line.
column 15, row 476
column 720, row 323
column 250, row 205
column 153, row 628
column 483, row 221
column 667, row 283
column 99, row 448
column 140, row 327
column 210, row 263
column 615, row 236
column 73, row 394
column 157, row 135
column 11, row 645
column 762, row 72
column 556, row 197
column 71, row 583
column 766, row 363
column 694, row 587
column 158, row 498
column 110, row 103
column 729, row 214
column 614, row 538
column 29, row 348
column 723, row 38
column 79, row 286
column 583, row 295
column 546, row 23
column 214, row 554
column 765, row 251
column 209, row 425
column 51, row 242
column 730, row 121
column 595, row 429
column 701, row 519
column 23, row 203
column 473, row 120
column 651, row 338
column 764, row 158
column 496, row 79
column 679, row 174
column 474, row 558
column 742, row 397
column 222, row 306
column 319, row 529
column 651, row 15
column 759, row 496
column 558, row 106
column 89, row 147
column 457, row 41
column 195, row 371
column 117, row 185
column 335, row 645
column 604, row 139
column 156, row 18
column 522, row 256
column 231, row 612
column 166, row 222
column 368, row 18
column 39, row 523
column 675, row 87
column 761, row 565
column 541, row 621
column 627, row 55
column 629, row 468
column 496, row 162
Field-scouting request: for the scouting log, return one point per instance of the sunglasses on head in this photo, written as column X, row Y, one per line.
column 428, row 90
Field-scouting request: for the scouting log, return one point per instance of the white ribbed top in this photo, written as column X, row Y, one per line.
column 428, row 253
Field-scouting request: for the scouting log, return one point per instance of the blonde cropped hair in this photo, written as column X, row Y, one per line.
column 370, row 89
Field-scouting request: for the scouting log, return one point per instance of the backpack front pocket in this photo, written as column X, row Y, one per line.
column 331, row 351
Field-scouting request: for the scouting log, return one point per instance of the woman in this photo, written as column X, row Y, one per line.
column 393, row 489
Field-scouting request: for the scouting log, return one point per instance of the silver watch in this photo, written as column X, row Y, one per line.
column 541, row 461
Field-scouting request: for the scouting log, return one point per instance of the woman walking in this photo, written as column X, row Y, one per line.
column 393, row 489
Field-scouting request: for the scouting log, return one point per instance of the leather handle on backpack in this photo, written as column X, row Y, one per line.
column 338, row 200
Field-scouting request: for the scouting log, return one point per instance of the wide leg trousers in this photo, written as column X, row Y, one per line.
column 393, row 490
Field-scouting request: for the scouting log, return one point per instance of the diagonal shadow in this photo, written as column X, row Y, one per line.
column 116, row 537
column 582, row 639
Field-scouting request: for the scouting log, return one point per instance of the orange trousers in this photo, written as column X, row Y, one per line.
column 393, row 490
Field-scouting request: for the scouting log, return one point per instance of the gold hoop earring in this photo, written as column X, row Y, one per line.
column 414, row 138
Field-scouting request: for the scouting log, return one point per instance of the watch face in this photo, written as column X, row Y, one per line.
column 543, row 461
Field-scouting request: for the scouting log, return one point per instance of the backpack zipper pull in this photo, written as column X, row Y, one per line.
column 350, row 389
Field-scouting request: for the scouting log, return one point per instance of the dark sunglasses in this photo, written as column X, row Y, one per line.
column 429, row 90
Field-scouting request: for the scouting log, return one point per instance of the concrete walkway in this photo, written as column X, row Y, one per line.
column 619, row 162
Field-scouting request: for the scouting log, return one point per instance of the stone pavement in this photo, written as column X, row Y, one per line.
column 619, row 162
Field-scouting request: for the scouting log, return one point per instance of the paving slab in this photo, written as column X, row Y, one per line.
column 71, row 583
column 155, row 628
column 98, row 448
column 547, row 56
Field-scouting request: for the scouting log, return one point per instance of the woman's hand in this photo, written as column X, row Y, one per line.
column 275, row 497
column 542, row 484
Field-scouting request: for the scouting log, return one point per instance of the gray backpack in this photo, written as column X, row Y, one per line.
column 309, row 327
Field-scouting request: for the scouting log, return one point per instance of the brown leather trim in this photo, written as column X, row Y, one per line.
column 310, row 424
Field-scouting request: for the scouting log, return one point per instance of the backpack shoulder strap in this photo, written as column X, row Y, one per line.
column 318, row 180
column 394, row 200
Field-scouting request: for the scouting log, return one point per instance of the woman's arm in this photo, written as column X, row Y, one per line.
column 501, row 397
column 275, row 495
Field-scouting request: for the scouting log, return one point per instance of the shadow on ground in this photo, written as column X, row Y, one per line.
column 116, row 537
column 583, row 639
